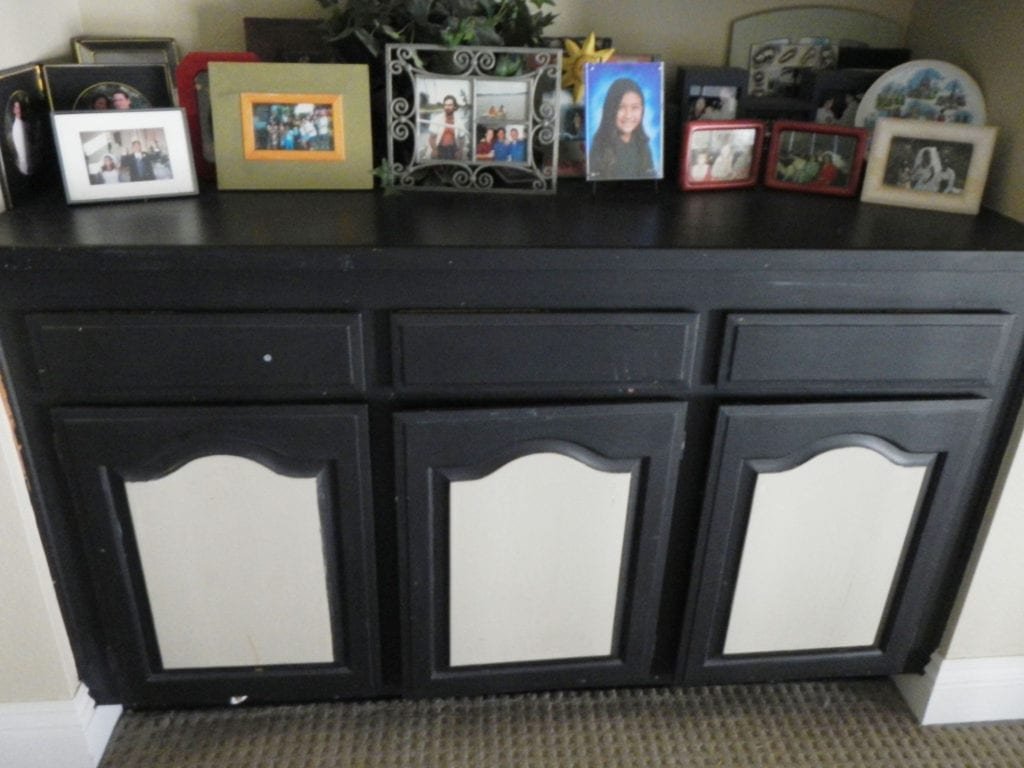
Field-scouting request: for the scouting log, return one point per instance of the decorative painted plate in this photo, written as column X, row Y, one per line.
column 924, row 89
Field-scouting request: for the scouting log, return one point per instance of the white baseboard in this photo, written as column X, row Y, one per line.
column 966, row 690
column 47, row 734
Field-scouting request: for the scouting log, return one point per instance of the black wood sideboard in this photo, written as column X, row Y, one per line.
column 396, row 349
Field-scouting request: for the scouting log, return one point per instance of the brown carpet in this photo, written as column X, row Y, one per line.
column 816, row 724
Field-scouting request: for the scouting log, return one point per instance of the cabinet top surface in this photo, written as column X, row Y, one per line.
column 581, row 218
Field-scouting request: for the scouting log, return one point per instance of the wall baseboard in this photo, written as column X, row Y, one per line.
column 45, row 734
column 966, row 690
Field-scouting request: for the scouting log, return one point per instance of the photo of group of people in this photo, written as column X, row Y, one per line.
column 118, row 157
column 300, row 127
column 814, row 159
column 924, row 165
column 481, row 121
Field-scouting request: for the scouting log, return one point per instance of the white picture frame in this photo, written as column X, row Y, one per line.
column 97, row 162
column 929, row 165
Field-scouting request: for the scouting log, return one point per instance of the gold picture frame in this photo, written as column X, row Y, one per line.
column 242, row 163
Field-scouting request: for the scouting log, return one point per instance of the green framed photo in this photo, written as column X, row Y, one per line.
column 291, row 126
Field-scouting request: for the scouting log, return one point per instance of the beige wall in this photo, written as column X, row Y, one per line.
column 984, row 37
column 686, row 31
column 23, row 38
column 991, row 618
column 35, row 658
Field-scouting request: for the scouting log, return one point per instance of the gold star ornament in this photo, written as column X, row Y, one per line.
column 575, row 61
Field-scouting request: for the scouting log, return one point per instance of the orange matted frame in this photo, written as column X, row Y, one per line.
column 333, row 100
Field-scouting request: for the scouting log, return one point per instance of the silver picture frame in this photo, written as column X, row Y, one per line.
column 98, row 49
column 472, row 118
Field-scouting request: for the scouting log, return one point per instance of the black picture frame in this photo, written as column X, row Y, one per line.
column 695, row 83
column 70, row 87
column 28, row 162
column 294, row 41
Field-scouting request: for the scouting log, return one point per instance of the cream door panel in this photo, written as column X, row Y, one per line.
column 233, row 561
column 821, row 551
column 536, row 552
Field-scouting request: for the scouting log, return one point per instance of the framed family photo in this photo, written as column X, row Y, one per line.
column 27, row 159
column 711, row 93
column 625, row 120
column 930, row 165
column 123, row 155
column 108, row 86
column 291, row 126
column 722, row 154
column 812, row 157
column 473, row 119
column 193, row 78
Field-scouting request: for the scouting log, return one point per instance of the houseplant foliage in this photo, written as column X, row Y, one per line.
column 374, row 23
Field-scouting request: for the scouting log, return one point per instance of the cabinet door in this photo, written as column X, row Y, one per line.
column 535, row 543
column 231, row 549
column 827, row 536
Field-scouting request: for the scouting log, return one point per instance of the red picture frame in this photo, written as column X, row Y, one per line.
column 196, row 102
column 720, row 154
column 814, row 157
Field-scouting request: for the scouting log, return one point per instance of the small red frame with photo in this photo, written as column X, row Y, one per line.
column 720, row 154
column 815, row 157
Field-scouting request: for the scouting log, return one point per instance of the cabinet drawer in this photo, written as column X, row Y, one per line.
column 506, row 350
column 863, row 352
column 216, row 356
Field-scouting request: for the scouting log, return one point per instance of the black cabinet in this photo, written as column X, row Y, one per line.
column 535, row 543
column 231, row 549
column 447, row 447
column 834, row 572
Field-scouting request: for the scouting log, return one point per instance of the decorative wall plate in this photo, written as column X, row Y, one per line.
column 923, row 89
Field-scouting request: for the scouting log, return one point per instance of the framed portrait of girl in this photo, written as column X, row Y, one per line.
column 625, row 120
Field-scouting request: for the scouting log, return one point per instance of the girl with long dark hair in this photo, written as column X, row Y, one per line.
column 621, row 148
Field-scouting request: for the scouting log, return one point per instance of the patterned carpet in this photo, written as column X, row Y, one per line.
column 814, row 725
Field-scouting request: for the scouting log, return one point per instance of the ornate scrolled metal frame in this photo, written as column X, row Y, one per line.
column 539, row 68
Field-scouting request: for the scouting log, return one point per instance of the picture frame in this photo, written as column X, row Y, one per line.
column 77, row 87
column 721, row 154
column 817, row 158
column 98, row 49
column 291, row 126
column 28, row 162
column 193, row 79
column 108, row 155
column 472, row 119
column 837, row 93
column 710, row 93
column 929, row 165
column 288, row 41
column 640, row 88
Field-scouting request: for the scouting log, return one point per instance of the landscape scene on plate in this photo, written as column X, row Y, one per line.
column 925, row 165
column 926, row 94
column 818, row 159
column 298, row 127
column 118, row 157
